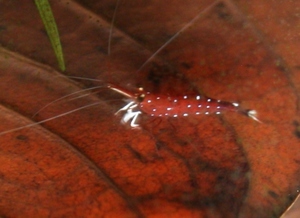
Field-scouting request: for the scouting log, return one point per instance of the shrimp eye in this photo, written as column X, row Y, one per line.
column 140, row 97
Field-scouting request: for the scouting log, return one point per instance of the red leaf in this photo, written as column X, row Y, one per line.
column 86, row 164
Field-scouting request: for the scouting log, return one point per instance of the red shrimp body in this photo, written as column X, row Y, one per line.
column 173, row 106
column 184, row 105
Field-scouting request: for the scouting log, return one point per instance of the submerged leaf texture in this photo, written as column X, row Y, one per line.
column 84, row 163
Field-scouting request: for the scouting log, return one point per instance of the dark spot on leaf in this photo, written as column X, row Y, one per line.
column 249, row 65
column 191, row 200
column 136, row 154
column 297, row 129
column 222, row 12
column 194, row 183
column 145, row 198
column 220, row 178
column 160, row 72
column 297, row 67
column 187, row 65
column 22, row 137
column 155, row 75
column 291, row 198
column 43, row 31
column 280, row 66
column 273, row 194
column 2, row 28
column 101, row 49
column 160, row 144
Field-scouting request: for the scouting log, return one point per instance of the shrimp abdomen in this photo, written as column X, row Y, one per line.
column 185, row 105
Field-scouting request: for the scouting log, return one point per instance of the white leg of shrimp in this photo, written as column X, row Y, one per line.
column 130, row 115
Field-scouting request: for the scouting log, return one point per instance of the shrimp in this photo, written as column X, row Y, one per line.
column 168, row 105
column 158, row 105
column 173, row 106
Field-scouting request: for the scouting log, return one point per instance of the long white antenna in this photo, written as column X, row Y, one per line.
column 190, row 23
column 112, row 27
column 63, row 97
column 74, row 93
column 49, row 119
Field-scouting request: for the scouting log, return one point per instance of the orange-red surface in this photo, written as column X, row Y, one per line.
column 87, row 164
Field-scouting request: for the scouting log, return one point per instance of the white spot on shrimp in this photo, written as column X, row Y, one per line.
column 175, row 100
column 185, row 115
column 235, row 104
column 198, row 97
column 154, row 109
column 157, row 98
column 206, row 112
column 152, row 115
column 185, row 97
column 168, row 109
column 189, row 106
column 209, row 100
column 218, row 101
column 197, row 113
column 160, row 115
column 199, row 105
column 218, row 107
column 218, row 112
column 149, row 101
column 175, row 115
column 207, row 106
